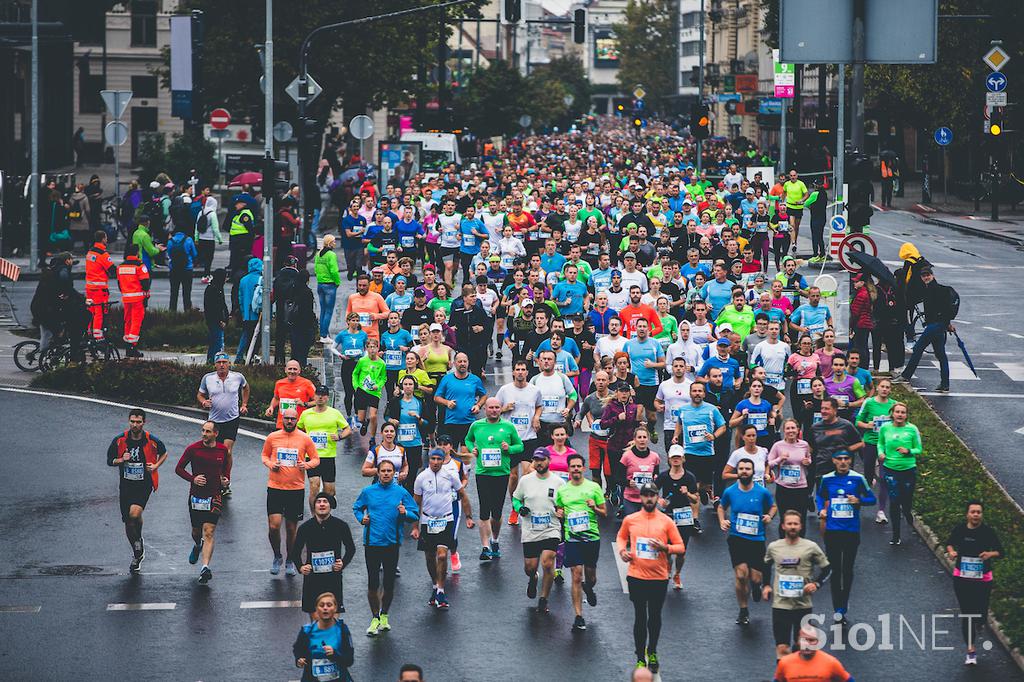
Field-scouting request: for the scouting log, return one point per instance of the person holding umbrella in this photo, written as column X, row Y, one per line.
column 941, row 304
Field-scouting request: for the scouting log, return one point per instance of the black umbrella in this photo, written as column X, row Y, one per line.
column 873, row 266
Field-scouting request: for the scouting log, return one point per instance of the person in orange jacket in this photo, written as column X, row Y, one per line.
column 98, row 269
column 133, row 281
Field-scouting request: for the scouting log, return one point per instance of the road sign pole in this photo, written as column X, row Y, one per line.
column 840, row 160
column 33, row 252
column 268, row 152
column 945, row 177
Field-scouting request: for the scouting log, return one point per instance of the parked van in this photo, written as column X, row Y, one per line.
column 439, row 150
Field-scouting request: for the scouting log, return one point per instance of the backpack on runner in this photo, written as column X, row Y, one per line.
column 177, row 255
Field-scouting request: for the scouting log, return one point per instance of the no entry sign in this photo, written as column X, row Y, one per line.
column 220, row 119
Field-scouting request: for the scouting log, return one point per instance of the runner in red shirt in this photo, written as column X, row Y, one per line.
column 211, row 473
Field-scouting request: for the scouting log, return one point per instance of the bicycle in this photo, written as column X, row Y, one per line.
column 110, row 218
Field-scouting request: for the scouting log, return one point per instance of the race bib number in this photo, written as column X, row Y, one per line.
column 450, row 237
column 760, row 227
column 522, row 424
column 416, row 334
column 748, row 524
column 775, row 380
column 320, row 439
column 803, row 386
column 393, row 358
column 134, row 471
column 644, row 549
column 324, row 670
column 539, row 521
column 408, row 241
column 697, row 433
column 490, row 457
column 468, row 240
column 435, row 526
column 842, row 400
column 759, row 420
column 287, row 457
column 364, row 319
column 289, row 404
column 841, row 508
column 200, row 503
column 598, row 430
column 578, row 521
column 791, row 586
column 407, row 433
column 507, row 259
column 353, row 352
column 790, row 473
column 879, row 422
column 642, row 477
column 816, row 328
column 322, row 562
column 972, row 567
column 683, row 516
column 815, row 418
column 369, row 385
column 550, row 403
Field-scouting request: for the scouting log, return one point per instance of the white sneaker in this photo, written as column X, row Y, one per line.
column 325, row 339
column 880, row 517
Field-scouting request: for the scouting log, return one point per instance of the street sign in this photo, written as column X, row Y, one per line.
column 943, row 136
column 237, row 132
column 639, row 92
column 220, row 119
column 996, row 99
column 838, row 224
column 838, row 234
column 525, row 120
column 115, row 133
column 361, row 127
column 996, row 82
column 313, row 89
column 858, row 242
column 996, row 58
column 220, row 134
column 785, row 80
column 116, row 101
column 283, row 131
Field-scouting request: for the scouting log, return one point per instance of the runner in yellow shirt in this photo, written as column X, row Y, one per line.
column 796, row 194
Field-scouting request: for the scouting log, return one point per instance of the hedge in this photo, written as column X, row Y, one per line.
column 949, row 475
column 159, row 381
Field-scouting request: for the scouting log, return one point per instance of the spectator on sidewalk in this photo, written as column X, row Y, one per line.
column 181, row 255
column 328, row 279
column 250, row 299
column 301, row 318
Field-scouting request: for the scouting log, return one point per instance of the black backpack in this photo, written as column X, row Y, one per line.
column 954, row 303
column 177, row 255
column 202, row 222
column 155, row 212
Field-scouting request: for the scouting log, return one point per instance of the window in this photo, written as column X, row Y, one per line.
column 89, row 99
column 144, row 23
column 691, row 20
column 690, row 49
column 144, row 86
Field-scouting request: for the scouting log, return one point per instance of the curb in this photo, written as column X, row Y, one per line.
column 937, row 548
column 975, row 231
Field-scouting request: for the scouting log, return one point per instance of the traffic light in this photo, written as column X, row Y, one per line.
column 700, row 121
column 995, row 121
column 276, row 178
column 579, row 26
column 513, row 11
column 310, row 138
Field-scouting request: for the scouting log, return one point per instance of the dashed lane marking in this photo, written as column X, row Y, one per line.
column 623, row 568
column 144, row 606
column 280, row 604
column 20, row 609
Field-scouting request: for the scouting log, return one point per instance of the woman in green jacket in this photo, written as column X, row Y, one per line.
column 325, row 265
column 899, row 444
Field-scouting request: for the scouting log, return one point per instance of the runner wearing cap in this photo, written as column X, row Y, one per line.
column 325, row 426
column 678, row 497
column 534, row 500
column 646, row 539
column 327, row 542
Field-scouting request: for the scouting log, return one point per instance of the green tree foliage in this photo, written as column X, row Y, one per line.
column 186, row 152
column 569, row 72
column 647, row 47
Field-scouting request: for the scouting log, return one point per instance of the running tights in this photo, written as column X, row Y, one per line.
column 972, row 596
column 841, row 549
column 348, row 367
column 901, row 486
column 648, row 596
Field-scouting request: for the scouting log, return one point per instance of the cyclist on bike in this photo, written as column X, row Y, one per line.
column 98, row 269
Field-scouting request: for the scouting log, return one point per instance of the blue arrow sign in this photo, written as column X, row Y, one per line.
column 996, row 82
column 943, row 136
column 838, row 223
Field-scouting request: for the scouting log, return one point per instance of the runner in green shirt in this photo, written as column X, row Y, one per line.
column 368, row 378
column 739, row 316
column 899, row 444
column 578, row 503
column 325, row 426
column 875, row 413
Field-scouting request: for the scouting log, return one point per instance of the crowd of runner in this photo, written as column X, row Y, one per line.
column 652, row 317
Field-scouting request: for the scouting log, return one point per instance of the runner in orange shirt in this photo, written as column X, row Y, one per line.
column 288, row 453
column 368, row 305
column 809, row 664
column 646, row 539
column 293, row 392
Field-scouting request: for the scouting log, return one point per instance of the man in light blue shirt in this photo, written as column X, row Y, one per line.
column 570, row 294
column 717, row 292
column 812, row 317
column 646, row 358
column 550, row 259
column 474, row 232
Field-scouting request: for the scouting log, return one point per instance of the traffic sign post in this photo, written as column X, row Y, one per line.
column 116, row 102
column 220, row 119
column 837, row 235
column 996, row 82
column 996, row 58
column 943, row 136
column 361, row 128
column 855, row 242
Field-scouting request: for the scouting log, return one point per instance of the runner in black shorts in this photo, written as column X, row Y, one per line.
column 287, row 503
column 679, row 498
column 137, row 454
column 228, row 431
column 210, row 473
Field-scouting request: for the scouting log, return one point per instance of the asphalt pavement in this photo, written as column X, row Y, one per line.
column 67, row 572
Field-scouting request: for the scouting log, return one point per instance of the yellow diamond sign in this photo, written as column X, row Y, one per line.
column 639, row 92
column 996, row 58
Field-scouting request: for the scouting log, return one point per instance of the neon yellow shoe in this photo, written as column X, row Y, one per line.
column 374, row 628
column 384, row 624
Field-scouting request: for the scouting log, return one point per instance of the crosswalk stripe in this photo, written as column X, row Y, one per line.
column 1014, row 370
column 280, row 604
column 20, row 609
column 622, row 566
column 145, row 606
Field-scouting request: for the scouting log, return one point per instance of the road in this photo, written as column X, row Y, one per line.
column 67, row 563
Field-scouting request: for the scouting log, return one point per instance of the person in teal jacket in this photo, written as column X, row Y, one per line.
column 382, row 508
column 328, row 278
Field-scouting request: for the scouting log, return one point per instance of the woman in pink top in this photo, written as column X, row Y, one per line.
column 802, row 367
column 789, row 459
column 641, row 465
column 558, row 452
column 826, row 352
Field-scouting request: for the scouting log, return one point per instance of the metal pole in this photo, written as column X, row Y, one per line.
column 33, row 256
column 857, row 86
column 700, row 86
column 476, row 47
column 945, row 177
column 268, row 183
column 117, row 169
column 841, row 136
column 782, row 138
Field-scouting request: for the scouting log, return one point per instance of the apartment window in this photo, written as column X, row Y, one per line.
column 691, row 20
column 690, row 49
column 144, row 86
column 144, row 23
column 89, row 85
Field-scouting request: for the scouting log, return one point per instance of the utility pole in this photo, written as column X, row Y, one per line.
column 857, row 86
column 700, row 85
column 33, row 256
column 840, row 160
column 268, row 183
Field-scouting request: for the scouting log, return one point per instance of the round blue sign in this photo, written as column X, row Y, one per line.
column 943, row 136
column 838, row 223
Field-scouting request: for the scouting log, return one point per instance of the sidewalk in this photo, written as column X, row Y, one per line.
column 957, row 214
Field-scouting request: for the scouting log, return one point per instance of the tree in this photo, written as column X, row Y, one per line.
column 492, row 100
column 647, row 40
column 568, row 71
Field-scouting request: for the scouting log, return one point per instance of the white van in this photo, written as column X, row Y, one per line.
column 439, row 150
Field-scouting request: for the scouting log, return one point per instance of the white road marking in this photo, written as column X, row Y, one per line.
column 111, row 403
column 1014, row 370
column 1020, row 431
column 993, row 329
column 622, row 566
column 20, row 609
column 145, row 606
column 974, row 395
column 280, row 604
column 1016, row 336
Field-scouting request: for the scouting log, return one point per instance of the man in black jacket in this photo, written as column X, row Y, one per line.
column 285, row 281
column 470, row 322
column 301, row 318
column 940, row 307
column 215, row 311
column 323, row 538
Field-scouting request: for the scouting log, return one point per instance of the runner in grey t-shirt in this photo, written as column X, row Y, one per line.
column 220, row 392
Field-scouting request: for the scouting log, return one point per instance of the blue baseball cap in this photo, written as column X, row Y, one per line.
column 616, row 273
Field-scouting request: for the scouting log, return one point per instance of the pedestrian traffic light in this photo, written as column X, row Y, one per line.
column 995, row 121
column 276, row 178
column 638, row 122
column 513, row 11
column 310, row 137
column 579, row 26
column 700, row 121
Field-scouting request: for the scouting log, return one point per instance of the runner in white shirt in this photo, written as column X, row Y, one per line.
column 521, row 405
column 673, row 394
column 772, row 354
column 509, row 248
column 608, row 346
column 494, row 221
column 534, row 499
column 752, row 451
column 449, row 223
column 557, row 395
column 686, row 349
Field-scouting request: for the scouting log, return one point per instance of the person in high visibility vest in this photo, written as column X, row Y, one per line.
column 133, row 281
column 887, row 183
column 240, row 236
column 98, row 269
